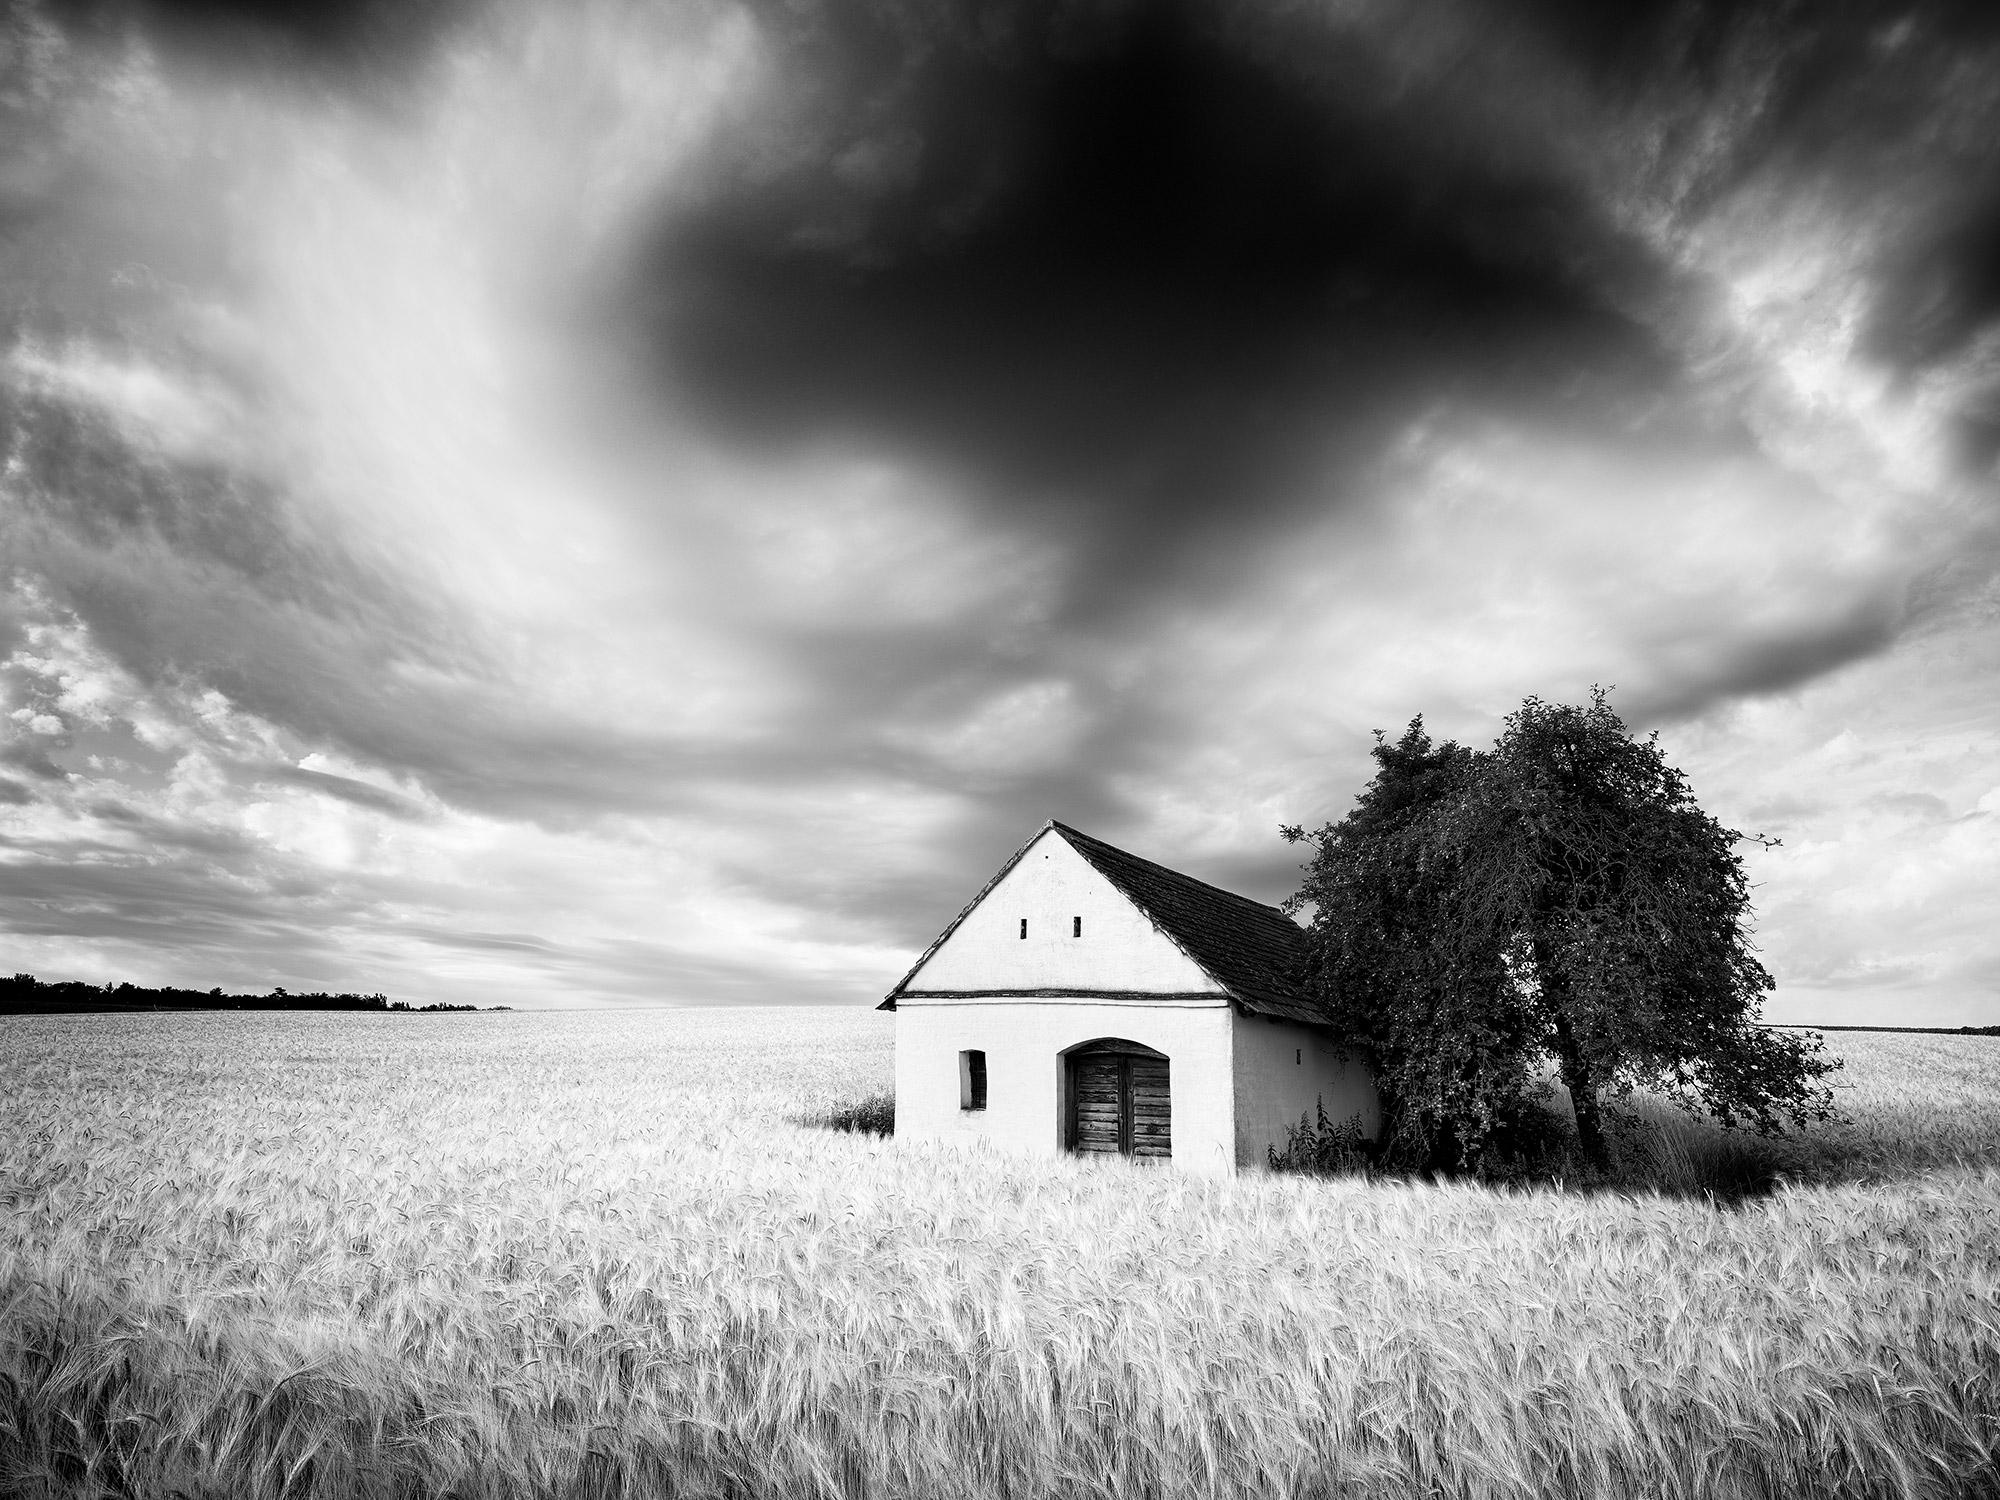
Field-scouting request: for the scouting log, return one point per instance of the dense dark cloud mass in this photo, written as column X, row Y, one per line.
column 1136, row 275
column 1942, row 291
column 622, row 501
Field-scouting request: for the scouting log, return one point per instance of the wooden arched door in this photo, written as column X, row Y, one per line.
column 1119, row 1100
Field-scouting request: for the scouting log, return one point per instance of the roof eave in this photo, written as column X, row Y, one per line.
column 889, row 1001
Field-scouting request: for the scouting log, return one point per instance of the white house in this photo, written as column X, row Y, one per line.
column 1088, row 1000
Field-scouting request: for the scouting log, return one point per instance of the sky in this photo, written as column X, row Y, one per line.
column 651, row 503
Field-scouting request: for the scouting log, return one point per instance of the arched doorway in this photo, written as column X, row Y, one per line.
column 1117, row 1100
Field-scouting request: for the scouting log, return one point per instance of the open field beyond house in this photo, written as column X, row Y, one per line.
column 591, row 1254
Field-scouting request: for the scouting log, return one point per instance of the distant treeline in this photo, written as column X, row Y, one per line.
column 1912, row 1030
column 26, row 995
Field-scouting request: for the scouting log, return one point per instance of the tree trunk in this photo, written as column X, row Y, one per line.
column 1582, row 1088
column 1576, row 1072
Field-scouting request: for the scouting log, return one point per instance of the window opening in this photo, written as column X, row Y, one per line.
column 1076, row 927
column 972, row 1080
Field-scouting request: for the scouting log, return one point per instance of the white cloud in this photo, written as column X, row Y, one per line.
column 1035, row 726
column 181, row 414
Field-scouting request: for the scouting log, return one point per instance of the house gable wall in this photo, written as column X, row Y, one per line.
column 1051, row 885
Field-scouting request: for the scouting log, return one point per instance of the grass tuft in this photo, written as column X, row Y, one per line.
column 875, row 1115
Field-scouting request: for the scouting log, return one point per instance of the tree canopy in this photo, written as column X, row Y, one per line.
column 1560, row 898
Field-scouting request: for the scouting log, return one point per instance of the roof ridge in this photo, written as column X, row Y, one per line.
column 1181, row 875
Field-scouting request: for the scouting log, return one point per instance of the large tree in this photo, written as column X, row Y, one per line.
column 1560, row 897
column 1437, row 1018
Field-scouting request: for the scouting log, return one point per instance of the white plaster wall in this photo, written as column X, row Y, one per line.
column 1282, row 1069
column 1052, row 885
column 1023, row 1041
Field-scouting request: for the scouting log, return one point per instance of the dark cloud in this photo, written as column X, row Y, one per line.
column 1139, row 284
column 347, row 789
column 356, row 37
column 167, row 833
column 482, row 942
column 1756, row 664
column 84, row 485
column 1623, row 45
column 162, row 904
column 30, row 756
column 1939, row 292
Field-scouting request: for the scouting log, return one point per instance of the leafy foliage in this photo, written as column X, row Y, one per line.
column 1436, row 1017
column 23, row 994
column 1325, row 1148
column 1561, row 897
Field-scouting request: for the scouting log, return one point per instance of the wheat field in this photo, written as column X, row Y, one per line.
column 612, row 1255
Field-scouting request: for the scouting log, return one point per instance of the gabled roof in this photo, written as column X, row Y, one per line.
column 1251, row 951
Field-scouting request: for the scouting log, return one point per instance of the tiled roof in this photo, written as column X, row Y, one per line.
column 1251, row 950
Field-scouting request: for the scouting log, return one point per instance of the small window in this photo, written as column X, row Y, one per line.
column 1076, row 927
column 1299, row 1056
column 972, row 1080
column 1024, row 927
